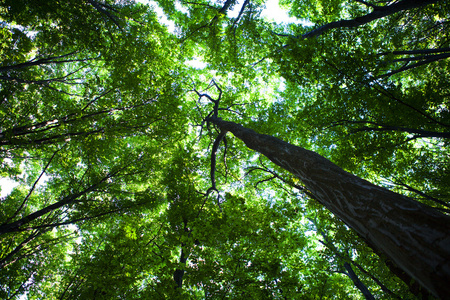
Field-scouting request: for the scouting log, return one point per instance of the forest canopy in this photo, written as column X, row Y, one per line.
column 138, row 136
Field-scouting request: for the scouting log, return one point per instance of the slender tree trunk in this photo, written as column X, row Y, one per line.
column 178, row 274
column 358, row 283
column 4, row 261
column 331, row 246
column 16, row 225
column 414, row 236
column 42, row 61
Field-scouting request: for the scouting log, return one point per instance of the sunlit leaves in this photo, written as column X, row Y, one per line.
column 98, row 97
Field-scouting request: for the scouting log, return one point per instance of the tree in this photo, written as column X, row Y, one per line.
column 129, row 186
column 388, row 221
column 66, row 118
column 377, row 13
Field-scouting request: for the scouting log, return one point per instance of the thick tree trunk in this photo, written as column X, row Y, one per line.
column 414, row 236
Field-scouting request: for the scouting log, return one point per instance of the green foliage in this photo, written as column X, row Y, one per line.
column 102, row 126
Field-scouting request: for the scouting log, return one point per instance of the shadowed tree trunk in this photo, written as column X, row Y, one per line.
column 179, row 273
column 361, row 286
column 414, row 236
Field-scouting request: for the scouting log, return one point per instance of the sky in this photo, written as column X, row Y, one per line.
column 6, row 184
column 273, row 12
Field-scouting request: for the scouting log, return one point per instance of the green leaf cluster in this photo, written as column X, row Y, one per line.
column 104, row 127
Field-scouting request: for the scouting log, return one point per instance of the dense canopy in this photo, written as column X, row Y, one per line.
column 126, row 184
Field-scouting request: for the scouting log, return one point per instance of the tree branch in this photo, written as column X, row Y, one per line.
column 100, row 7
column 43, row 61
column 411, row 189
column 33, row 187
column 15, row 226
column 240, row 13
column 429, row 59
column 422, row 51
column 420, row 133
column 378, row 13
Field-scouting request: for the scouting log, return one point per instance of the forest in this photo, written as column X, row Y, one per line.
column 204, row 149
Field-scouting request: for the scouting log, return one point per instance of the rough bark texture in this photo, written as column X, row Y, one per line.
column 414, row 236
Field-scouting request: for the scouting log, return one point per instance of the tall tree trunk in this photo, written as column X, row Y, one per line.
column 414, row 236
column 179, row 273
column 358, row 283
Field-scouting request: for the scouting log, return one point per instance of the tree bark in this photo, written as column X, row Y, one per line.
column 414, row 236
column 358, row 283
